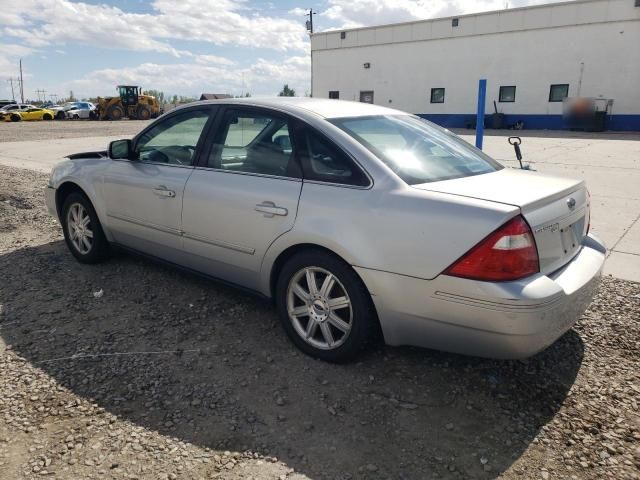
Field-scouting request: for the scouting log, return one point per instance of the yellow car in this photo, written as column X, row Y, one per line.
column 34, row 113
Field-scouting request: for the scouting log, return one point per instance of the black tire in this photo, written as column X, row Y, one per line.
column 47, row 116
column 15, row 117
column 99, row 246
column 115, row 112
column 60, row 115
column 364, row 322
column 143, row 113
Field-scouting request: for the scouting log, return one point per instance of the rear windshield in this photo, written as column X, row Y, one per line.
column 417, row 150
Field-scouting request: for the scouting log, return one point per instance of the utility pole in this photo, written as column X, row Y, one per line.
column 13, row 93
column 42, row 95
column 21, row 84
column 310, row 30
column 310, row 21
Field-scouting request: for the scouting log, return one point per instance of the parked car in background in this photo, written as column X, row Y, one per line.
column 16, row 106
column 81, row 110
column 355, row 219
column 33, row 113
column 60, row 110
column 4, row 103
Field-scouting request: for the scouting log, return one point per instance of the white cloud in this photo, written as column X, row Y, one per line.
column 9, row 57
column 39, row 23
column 214, row 60
column 264, row 77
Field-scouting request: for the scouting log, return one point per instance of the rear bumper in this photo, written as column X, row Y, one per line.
column 496, row 320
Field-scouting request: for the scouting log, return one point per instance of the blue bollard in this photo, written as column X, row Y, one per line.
column 482, row 95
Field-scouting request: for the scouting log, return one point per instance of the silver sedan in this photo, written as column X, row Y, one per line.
column 359, row 221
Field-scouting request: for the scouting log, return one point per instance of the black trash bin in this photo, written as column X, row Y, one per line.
column 497, row 121
column 597, row 123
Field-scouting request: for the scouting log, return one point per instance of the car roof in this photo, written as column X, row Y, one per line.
column 320, row 106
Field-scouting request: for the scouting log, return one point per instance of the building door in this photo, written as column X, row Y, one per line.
column 367, row 96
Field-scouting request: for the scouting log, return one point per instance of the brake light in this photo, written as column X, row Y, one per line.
column 509, row 253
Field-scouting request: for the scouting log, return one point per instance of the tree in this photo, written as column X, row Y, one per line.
column 287, row 92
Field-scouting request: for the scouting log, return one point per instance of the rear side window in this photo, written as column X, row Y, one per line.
column 254, row 142
column 416, row 150
column 324, row 161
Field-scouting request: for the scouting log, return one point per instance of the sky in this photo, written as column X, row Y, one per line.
column 185, row 47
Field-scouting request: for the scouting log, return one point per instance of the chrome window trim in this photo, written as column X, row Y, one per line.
column 252, row 174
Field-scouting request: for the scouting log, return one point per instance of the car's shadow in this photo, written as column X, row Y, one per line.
column 237, row 383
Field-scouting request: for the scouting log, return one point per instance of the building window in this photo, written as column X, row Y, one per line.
column 343, row 35
column 334, row 94
column 559, row 92
column 366, row 96
column 437, row 95
column 507, row 94
column 454, row 22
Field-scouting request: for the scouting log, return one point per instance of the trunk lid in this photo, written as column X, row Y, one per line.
column 557, row 209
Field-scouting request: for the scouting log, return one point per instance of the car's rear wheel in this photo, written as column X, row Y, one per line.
column 47, row 116
column 82, row 230
column 324, row 307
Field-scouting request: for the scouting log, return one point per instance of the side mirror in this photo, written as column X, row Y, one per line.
column 120, row 149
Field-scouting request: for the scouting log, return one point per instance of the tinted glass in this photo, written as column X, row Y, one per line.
column 252, row 142
column 507, row 94
column 173, row 140
column 323, row 161
column 557, row 93
column 437, row 95
column 416, row 150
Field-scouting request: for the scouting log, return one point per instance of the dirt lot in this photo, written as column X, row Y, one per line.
column 23, row 131
column 167, row 375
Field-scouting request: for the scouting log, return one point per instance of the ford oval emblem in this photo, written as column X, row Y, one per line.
column 571, row 203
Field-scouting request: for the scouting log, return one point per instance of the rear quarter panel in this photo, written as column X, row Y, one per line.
column 403, row 230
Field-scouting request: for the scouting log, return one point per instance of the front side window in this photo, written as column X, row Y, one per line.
column 416, row 150
column 325, row 162
column 173, row 140
column 253, row 142
column 559, row 92
column 437, row 95
column 507, row 94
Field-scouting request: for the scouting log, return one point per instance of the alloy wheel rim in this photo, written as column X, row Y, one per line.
column 319, row 308
column 79, row 228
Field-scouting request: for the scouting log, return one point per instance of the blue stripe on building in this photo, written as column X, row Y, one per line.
column 531, row 122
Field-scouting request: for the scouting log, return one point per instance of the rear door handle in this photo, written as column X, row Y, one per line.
column 270, row 209
column 163, row 191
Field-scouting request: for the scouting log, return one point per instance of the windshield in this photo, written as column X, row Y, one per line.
column 417, row 150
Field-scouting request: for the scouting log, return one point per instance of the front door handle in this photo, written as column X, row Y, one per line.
column 163, row 191
column 270, row 209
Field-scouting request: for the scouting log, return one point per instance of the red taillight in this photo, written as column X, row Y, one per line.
column 509, row 253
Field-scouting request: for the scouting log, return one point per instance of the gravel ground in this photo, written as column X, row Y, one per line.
column 22, row 131
column 167, row 375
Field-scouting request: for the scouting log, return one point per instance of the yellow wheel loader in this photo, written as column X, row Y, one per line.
column 130, row 103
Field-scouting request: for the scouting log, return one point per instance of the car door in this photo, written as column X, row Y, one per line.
column 143, row 196
column 242, row 196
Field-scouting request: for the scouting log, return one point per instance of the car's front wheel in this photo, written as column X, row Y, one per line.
column 324, row 307
column 82, row 230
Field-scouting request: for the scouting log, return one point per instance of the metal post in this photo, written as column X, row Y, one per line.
column 482, row 95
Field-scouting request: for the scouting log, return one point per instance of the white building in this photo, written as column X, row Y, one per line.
column 532, row 57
